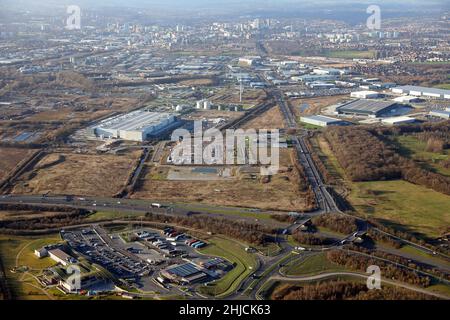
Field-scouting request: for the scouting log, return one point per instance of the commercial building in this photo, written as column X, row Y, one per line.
column 322, row 121
column 398, row 120
column 249, row 61
column 440, row 114
column 321, row 85
column 61, row 257
column 369, row 108
column 187, row 273
column 365, row 95
column 135, row 126
column 316, row 78
column 328, row 71
column 422, row 92
column 407, row 99
column 85, row 283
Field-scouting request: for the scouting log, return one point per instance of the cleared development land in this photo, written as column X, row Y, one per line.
column 10, row 158
column 77, row 174
column 271, row 119
column 280, row 192
column 312, row 106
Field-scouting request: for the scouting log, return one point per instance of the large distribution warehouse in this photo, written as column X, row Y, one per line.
column 323, row 121
column 370, row 108
column 423, row 91
column 135, row 126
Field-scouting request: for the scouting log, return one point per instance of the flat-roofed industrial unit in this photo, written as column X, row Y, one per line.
column 371, row 108
column 136, row 126
column 440, row 114
column 322, row 121
column 423, row 91
column 398, row 120
column 365, row 94
column 187, row 272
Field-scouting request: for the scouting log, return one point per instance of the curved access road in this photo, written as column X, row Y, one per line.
column 357, row 275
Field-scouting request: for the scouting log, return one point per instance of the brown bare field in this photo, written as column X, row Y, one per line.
column 271, row 119
column 77, row 174
column 75, row 110
column 316, row 104
column 280, row 193
column 196, row 82
column 213, row 114
column 10, row 158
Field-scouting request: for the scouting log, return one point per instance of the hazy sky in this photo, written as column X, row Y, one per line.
column 191, row 8
column 214, row 3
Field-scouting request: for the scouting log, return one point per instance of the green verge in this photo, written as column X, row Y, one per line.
column 244, row 264
column 403, row 205
column 311, row 265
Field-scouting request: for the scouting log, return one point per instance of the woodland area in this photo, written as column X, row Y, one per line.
column 249, row 232
column 338, row 223
column 366, row 155
column 343, row 290
column 38, row 218
column 360, row 263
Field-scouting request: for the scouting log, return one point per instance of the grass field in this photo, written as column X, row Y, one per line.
column 104, row 215
column 19, row 252
column 244, row 264
column 400, row 204
column 341, row 54
column 403, row 205
column 311, row 265
column 351, row 54
column 416, row 150
column 445, row 86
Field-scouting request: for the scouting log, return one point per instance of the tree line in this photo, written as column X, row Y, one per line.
column 46, row 222
column 365, row 157
column 390, row 271
column 344, row 290
column 253, row 233
column 311, row 239
column 337, row 222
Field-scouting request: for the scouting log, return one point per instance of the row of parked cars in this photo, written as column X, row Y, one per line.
column 176, row 236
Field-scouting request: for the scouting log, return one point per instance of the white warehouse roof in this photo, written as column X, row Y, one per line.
column 415, row 90
column 134, row 121
column 398, row 120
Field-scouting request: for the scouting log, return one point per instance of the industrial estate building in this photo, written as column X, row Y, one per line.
column 408, row 99
column 398, row 120
column 441, row 114
column 365, row 94
column 323, row 121
column 135, row 126
column 369, row 108
column 187, row 273
column 423, row 91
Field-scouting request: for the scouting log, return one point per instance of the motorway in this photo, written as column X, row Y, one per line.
column 133, row 206
column 268, row 266
column 324, row 200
